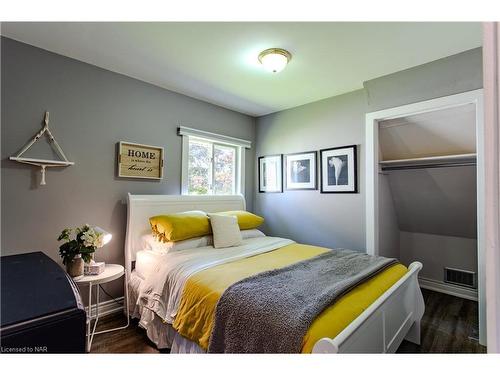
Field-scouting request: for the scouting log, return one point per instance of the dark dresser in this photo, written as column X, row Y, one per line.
column 41, row 308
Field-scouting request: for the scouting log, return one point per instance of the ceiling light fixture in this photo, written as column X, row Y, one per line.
column 274, row 59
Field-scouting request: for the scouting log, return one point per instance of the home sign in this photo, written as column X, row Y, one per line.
column 140, row 161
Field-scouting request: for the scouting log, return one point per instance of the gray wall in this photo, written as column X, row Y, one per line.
column 438, row 201
column 338, row 220
column 389, row 238
column 332, row 220
column 450, row 75
column 91, row 110
column 436, row 252
column 435, row 210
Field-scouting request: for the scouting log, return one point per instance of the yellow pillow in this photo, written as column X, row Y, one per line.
column 181, row 226
column 246, row 220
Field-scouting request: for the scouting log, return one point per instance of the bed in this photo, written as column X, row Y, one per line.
column 380, row 327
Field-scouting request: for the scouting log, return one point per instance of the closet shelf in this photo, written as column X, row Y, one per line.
column 456, row 160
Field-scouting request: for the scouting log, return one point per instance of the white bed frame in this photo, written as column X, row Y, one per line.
column 381, row 328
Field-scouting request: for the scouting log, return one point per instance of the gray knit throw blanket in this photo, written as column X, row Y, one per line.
column 271, row 312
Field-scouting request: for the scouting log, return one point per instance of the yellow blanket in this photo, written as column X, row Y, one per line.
column 202, row 291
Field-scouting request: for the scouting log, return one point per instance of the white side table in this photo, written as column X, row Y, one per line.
column 111, row 272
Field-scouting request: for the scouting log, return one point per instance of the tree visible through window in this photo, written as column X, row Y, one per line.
column 211, row 168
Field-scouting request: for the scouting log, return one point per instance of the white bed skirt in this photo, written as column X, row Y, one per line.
column 181, row 345
column 163, row 335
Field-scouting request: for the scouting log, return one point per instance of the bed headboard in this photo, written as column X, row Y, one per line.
column 141, row 207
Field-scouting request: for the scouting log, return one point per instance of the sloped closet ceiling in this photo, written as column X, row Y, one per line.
column 446, row 132
column 436, row 201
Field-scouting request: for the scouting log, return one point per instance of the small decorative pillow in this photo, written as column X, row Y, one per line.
column 180, row 226
column 225, row 230
column 246, row 220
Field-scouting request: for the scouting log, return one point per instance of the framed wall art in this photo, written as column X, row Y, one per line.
column 301, row 171
column 140, row 161
column 339, row 170
column 271, row 174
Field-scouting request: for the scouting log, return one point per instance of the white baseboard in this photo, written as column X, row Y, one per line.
column 107, row 307
column 442, row 287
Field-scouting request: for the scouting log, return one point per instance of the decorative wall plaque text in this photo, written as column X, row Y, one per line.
column 140, row 161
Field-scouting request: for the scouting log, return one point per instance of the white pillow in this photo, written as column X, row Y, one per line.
column 251, row 233
column 149, row 242
column 226, row 230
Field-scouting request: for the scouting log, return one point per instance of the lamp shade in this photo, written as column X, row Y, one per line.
column 106, row 235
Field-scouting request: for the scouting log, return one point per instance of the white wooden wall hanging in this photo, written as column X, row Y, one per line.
column 43, row 163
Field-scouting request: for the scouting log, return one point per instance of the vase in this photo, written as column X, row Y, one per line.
column 86, row 266
column 74, row 267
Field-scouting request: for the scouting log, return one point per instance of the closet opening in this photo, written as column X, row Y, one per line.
column 425, row 192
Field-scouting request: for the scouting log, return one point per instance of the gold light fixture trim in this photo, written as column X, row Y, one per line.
column 275, row 51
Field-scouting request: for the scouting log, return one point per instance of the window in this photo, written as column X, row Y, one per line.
column 211, row 163
column 211, row 168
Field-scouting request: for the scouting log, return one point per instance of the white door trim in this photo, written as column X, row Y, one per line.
column 372, row 179
column 491, row 74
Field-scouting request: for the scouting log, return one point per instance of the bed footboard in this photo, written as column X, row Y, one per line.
column 381, row 328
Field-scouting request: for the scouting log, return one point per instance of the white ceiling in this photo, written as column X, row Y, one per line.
column 217, row 62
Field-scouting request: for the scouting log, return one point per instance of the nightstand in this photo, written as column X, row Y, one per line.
column 111, row 272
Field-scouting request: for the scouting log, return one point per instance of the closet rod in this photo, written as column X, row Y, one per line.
column 428, row 166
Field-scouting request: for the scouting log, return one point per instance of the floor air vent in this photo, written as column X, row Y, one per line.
column 460, row 277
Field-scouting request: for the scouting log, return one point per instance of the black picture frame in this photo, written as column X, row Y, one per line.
column 280, row 173
column 322, row 152
column 314, row 168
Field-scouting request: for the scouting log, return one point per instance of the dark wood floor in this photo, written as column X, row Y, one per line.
column 449, row 325
column 132, row 339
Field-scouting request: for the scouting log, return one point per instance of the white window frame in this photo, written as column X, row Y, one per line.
column 215, row 139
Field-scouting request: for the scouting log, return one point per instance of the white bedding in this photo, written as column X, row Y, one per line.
column 145, row 261
column 161, row 290
column 154, row 250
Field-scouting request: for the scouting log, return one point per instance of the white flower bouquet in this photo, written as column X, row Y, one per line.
column 85, row 242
